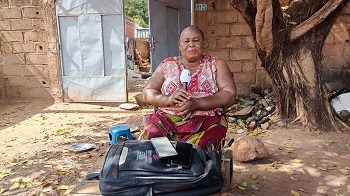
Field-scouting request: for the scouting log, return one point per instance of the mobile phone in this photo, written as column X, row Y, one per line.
column 163, row 147
column 184, row 156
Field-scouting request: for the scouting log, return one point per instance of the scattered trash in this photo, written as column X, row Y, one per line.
column 240, row 131
column 66, row 165
column 81, row 147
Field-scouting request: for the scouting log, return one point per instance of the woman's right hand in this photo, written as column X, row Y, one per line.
column 178, row 97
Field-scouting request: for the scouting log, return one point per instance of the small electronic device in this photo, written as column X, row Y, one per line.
column 163, row 147
column 184, row 156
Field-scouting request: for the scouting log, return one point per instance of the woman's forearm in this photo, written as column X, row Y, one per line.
column 219, row 99
column 155, row 98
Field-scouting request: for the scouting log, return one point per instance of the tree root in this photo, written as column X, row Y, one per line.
column 296, row 119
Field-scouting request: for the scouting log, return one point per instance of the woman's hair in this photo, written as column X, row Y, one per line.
column 195, row 28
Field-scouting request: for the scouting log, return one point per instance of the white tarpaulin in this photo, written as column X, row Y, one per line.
column 341, row 103
column 92, row 34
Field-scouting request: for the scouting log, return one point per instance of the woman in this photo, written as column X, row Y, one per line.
column 192, row 116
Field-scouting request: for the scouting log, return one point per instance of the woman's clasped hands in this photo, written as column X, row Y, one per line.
column 185, row 104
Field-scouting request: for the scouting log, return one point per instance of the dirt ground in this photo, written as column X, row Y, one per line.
column 36, row 160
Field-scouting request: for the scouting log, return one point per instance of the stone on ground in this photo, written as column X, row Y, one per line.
column 249, row 148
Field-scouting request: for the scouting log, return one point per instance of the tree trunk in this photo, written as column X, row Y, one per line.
column 289, row 45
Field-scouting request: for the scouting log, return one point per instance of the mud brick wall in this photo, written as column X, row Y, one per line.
column 29, row 66
column 229, row 37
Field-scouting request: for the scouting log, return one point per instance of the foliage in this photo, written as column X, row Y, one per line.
column 138, row 11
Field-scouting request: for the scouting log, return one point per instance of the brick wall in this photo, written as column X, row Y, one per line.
column 129, row 28
column 29, row 62
column 229, row 37
column 336, row 53
column 29, row 66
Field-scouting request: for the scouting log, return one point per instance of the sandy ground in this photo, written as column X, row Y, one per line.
column 36, row 160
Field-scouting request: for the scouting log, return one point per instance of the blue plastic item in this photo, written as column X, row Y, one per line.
column 119, row 130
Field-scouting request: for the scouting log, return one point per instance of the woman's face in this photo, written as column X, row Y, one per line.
column 191, row 44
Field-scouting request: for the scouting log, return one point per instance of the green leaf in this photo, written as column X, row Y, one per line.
column 249, row 180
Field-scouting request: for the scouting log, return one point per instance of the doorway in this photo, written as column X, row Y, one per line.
column 166, row 20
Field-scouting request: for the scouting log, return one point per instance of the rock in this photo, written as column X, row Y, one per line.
column 249, row 120
column 262, row 121
column 256, row 96
column 344, row 115
column 230, row 114
column 231, row 119
column 240, row 123
column 281, row 124
column 269, row 108
column 250, row 103
column 249, row 148
column 252, row 125
column 244, row 111
column 234, row 107
column 264, row 103
column 265, row 126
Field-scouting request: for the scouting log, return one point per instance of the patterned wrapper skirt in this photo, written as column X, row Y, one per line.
column 206, row 131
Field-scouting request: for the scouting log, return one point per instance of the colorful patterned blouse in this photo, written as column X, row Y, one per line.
column 202, row 84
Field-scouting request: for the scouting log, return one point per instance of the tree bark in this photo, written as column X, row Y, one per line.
column 291, row 53
column 263, row 24
column 315, row 19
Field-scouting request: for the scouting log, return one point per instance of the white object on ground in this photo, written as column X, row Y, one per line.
column 341, row 102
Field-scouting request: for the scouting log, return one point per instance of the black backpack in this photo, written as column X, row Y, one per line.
column 132, row 167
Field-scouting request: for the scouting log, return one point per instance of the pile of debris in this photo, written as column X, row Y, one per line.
column 251, row 112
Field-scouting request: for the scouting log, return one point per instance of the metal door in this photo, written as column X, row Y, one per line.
column 92, row 50
column 167, row 19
